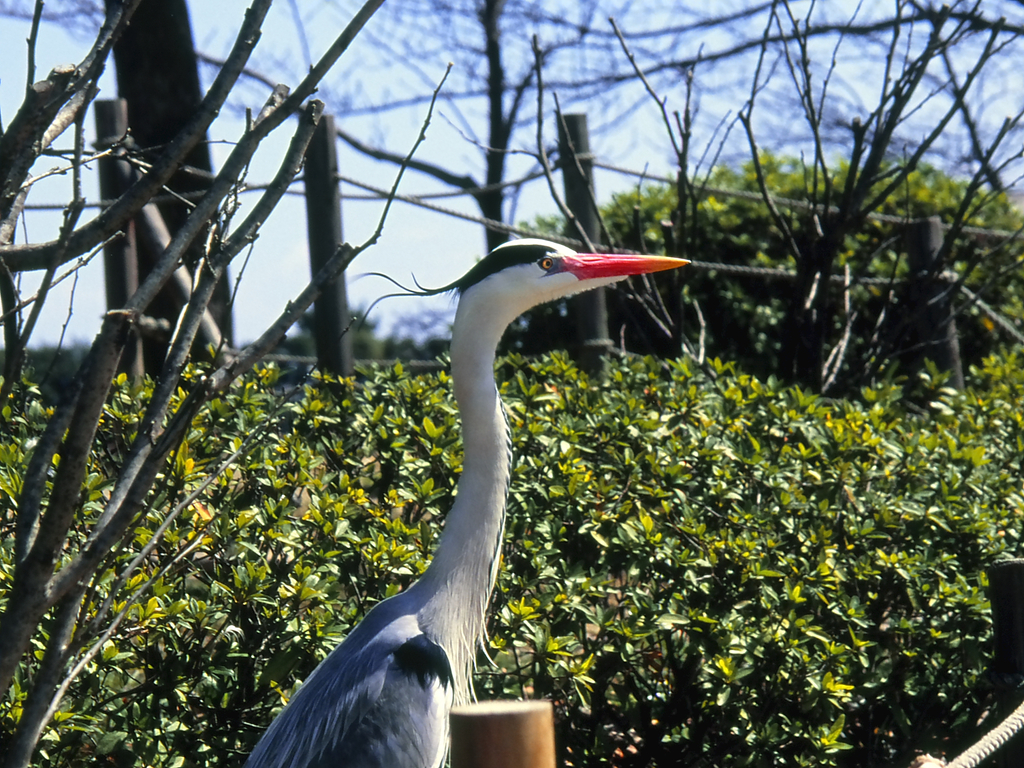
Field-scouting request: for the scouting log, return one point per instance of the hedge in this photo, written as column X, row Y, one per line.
column 700, row 567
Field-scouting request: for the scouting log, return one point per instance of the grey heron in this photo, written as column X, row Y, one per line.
column 381, row 698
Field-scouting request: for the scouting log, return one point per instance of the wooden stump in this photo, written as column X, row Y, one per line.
column 503, row 734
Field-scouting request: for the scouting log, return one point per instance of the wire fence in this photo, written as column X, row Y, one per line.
column 742, row 270
column 425, row 201
column 770, row 273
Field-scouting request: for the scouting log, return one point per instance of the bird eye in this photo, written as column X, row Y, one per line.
column 546, row 263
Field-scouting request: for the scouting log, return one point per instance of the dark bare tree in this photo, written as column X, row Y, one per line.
column 885, row 142
column 865, row 95
column 491, row 98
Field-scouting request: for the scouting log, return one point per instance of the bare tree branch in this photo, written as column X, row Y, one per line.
column 37, row 256
column 431, row 169
column 22, row 142
column 42, row 534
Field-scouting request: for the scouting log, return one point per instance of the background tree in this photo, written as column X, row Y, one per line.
column 859, row 147
column 856, row 155
column 738, row 315
column 491, row 98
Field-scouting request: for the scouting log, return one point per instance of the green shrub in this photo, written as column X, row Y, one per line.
column 698, row 569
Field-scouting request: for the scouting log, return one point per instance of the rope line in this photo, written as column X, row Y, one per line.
column 804, row 205
column 780, row 273
column 498, row 226
column 464, row 192
column 491, row 224
column 991, row 741
column 768, row 273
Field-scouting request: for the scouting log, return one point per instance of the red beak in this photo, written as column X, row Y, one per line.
column 587, row 266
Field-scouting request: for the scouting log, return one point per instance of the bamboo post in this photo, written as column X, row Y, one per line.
column 936, row 328
column 1006, row 593
column 120, row 256
column 503, row 734
column 590, row 308
column 331, row 318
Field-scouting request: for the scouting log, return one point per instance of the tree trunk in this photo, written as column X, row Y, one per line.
column 158, row 76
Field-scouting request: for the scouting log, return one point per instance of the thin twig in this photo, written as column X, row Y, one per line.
column 71, row 214
column 838, row 353
column 372, row 240
column 33, row 38
column 69, row 272
column 660, row 100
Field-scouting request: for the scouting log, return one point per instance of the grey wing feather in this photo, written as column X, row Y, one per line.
column 379, row 700
column 407, row 727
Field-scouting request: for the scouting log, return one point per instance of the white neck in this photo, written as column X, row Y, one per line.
column 457, row 585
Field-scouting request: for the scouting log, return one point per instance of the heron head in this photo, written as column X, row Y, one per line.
column 527, row 272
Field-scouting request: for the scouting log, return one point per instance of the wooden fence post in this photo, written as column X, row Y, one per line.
column 936, row 327
column 120, row 256
column 1006, row 593
column 331, row 318
column 503, row 734
column 590, row 308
